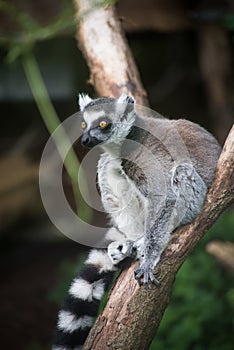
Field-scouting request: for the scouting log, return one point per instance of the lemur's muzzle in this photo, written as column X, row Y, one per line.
column 89, row 141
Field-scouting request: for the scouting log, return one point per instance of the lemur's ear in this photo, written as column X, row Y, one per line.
column 84, row 100
column 123, row 98
column 123, row 101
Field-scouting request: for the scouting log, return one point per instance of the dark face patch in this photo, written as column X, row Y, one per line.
column 98, row 124
column 89, row 141
column 99, row 132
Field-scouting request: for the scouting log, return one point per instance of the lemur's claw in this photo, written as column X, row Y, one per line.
column 138, row 275
column 147, row 286
column 146, row 274
column 155, row 281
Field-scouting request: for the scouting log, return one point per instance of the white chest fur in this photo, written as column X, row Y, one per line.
column 120, row 197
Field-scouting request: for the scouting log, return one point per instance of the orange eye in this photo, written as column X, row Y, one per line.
column 83, row 125
column 103, row 124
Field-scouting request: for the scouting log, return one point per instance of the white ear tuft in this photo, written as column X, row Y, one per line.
column 123, row 98
column 123, row 101
column 84, row 100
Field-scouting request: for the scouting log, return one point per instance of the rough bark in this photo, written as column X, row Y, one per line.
column 132, row 314
column 104, row 46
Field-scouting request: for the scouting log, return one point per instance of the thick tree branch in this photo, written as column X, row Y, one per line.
column 132, row 314
column 104, row 46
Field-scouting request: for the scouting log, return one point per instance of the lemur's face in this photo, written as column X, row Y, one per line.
column 97, row 125
column 105, row 120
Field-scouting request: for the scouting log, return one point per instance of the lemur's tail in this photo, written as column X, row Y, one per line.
column 81, row 306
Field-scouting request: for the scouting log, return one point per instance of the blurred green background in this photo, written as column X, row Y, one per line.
column 182, row 54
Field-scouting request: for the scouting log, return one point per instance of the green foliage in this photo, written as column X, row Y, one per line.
column 30, row 31
column 200, row 314
column 57, row 132
column 228, row 21
column 21, row 45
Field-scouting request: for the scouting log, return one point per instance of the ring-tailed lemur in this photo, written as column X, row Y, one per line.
column 153, row 177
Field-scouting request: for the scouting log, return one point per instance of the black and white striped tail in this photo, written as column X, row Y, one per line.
column 81, row 306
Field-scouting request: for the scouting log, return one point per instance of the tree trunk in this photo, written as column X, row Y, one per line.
column 105, row 48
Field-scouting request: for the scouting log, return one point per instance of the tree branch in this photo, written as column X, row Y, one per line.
column 132, row 314
column 105, row 48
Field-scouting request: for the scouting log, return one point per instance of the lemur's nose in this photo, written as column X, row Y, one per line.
column 86, row 139
column 89, row 141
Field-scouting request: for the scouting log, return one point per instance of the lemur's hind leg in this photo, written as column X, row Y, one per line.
column 183, row 203
column 190, row 191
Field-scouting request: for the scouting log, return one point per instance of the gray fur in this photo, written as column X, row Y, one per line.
column 153, row 177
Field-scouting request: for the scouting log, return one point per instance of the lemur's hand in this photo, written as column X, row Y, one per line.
column 145, row 273
column 118, row 251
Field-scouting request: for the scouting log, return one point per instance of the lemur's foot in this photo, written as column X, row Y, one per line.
column 118, row 251
column 145, row 273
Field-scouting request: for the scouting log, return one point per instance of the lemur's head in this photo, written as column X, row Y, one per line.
column 106, row 120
